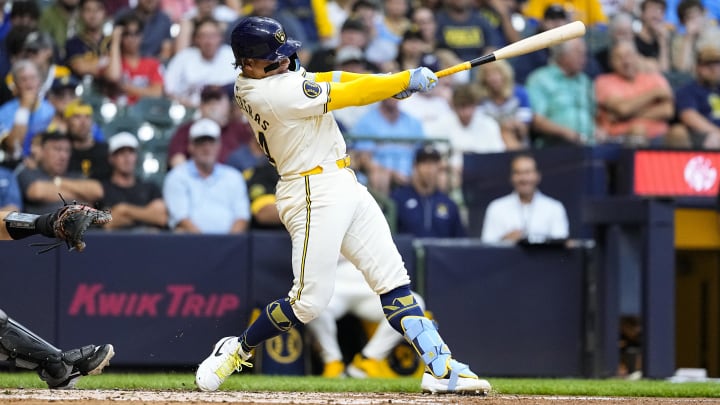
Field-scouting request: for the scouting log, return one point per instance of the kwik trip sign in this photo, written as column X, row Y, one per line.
column 675, row 173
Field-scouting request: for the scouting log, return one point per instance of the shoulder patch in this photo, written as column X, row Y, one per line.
column 311, row 89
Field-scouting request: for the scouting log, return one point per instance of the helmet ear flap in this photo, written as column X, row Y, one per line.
column 294, row 62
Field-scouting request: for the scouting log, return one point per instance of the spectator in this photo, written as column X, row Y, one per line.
column 157, row 41
column 202, row 195
column 672, row 17
column 700, row 29
column 176, row 9
column 633, row 106
column 353, row 33
column 207, row 62
column 507, row 102
column 38, row 47
column 351, row 59
column 10, row 196
column 215, row 104
column 499, row 14
column 620, row 29
column 553, row 17
column 62, row 21
column 590, row 12
column 62, row 94
column 562, row 97
column 134, row 203
column 526, row 213
column 86, row 53
column 313, row 18
column 468, row 129
column 89, row 156
column 697, row 103
column 386, row 120
column 23, row 15
column 131, row 76
column 462, row 29
column 653, row 39
column 424, row 211
column 203, row 10
column 24, row 116
column 42, row 185
column 424, row 19
column 379, row 50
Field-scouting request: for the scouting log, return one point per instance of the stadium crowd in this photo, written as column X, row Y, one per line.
column 128, row 104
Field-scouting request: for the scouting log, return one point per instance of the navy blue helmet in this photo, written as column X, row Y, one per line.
column 261, row 38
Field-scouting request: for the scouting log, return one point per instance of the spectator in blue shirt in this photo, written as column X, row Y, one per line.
column 392, row 160
column 422, row 209
column 24, row 116
column 10, row 196
column 202, row 195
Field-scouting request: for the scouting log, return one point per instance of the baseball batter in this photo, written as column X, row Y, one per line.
column 321, row 204
column 59, row 369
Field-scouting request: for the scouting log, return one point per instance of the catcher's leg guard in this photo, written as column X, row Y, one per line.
column 29, row 350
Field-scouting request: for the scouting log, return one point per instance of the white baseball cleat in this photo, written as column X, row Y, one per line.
column 226, row 358
column 458, row 380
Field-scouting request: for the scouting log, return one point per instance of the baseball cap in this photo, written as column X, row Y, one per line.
column 78, row 107
column 412, row 33
column 212, row 92
column 353, row 24
column 53, row 136
column 555, row 12
column 64, row 82
column 349, row 54
column 427, row 154
column 708, row 54
column 122, row 140
column 204, row 127
column 37, row 40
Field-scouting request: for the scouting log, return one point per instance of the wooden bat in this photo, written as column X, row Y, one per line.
column 530, row 44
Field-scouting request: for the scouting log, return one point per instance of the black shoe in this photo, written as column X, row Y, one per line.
column 63, row 383
column 95, row 363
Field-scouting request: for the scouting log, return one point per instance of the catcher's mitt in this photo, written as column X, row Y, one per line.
column 72, row 220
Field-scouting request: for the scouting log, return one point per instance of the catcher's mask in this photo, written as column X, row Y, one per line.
column 261, row 38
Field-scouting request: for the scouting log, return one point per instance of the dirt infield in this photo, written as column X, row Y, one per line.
column 98, row 397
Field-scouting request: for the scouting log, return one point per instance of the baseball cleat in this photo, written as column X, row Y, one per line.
column 334, row 369
column 457, row 380
column 95, row 364
column 226, row 358
column 365, row 367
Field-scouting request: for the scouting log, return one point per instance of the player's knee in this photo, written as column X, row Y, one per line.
column 306, row 311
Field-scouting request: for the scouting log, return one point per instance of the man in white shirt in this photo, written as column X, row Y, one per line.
column 526, row 213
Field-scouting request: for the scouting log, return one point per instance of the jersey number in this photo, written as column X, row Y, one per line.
column 264, row 145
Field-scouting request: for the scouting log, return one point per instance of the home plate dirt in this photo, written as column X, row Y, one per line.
column 104, row 397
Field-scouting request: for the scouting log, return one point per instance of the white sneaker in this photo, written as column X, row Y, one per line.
column 226, row 358
column 458, row 380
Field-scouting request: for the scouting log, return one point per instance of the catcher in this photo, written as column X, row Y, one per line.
column 59, row 369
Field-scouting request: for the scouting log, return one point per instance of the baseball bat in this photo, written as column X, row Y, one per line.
column 530, row 44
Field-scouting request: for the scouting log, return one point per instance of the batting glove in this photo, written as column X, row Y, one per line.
column 422, row 79
column 403, row 95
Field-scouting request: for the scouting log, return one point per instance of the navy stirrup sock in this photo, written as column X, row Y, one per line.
column 398, row 304
column 277, row 317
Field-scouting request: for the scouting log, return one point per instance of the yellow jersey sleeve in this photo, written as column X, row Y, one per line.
column 365, row 89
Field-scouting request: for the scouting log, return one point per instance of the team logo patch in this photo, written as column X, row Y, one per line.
column 280, row 36
column 311, row 89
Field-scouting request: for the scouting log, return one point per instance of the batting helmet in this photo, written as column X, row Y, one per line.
column 261, row 38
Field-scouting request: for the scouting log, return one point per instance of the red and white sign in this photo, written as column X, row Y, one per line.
column 673, row 173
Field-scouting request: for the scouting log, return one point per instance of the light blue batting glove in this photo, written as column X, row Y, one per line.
column 422, row 79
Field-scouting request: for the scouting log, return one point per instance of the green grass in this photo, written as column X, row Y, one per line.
column 248, row 382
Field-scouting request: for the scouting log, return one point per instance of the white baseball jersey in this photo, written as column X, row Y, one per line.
column 327, row 213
